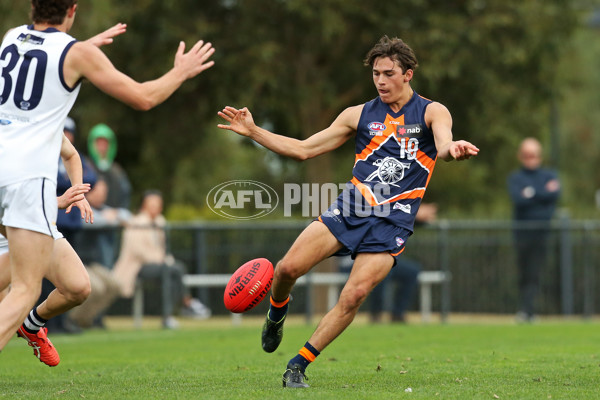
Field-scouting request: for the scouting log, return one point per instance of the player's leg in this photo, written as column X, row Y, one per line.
column 72, row 287
column 70, row 278
column 30, row 256
column 4, row 271
column 369, row 269
column 313, row 245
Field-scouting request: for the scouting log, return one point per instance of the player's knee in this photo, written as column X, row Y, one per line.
column 78, row 294
column 353, row 298
column 288, row 270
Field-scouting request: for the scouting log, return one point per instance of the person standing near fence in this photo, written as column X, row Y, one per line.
column 399, row 136
column 534, row 192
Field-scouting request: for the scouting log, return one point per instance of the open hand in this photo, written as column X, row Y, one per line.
column 462, row 150
column 107, row 36
column 240, row 121
column 194, row 61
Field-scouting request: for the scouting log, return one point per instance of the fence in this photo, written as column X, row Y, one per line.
column 479, row 255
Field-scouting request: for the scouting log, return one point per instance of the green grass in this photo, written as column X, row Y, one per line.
column 215, row 360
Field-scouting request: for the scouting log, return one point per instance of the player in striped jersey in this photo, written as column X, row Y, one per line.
column 399, row 135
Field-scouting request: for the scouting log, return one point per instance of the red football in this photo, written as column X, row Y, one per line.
column 248, row 285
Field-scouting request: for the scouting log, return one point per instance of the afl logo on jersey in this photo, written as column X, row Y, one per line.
column 376, row 128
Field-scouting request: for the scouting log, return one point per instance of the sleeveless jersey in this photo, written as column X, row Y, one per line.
column 34, row 102
column 395, row 157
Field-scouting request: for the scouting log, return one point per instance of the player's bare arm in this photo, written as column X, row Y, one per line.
column 343, row 128
column 72, row 162
column 439, row 119
column 85, row 60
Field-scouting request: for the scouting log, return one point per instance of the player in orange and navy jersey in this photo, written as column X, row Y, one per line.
column 399, row 135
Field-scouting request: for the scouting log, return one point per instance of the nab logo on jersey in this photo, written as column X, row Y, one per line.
column 376, row 128
column 414, row 130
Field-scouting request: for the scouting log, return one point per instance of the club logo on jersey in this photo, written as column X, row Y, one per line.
column 399, row 241
column 5, row 121
column 389, row 170
column 376, row 128
column 402, row 207
column 413, row 130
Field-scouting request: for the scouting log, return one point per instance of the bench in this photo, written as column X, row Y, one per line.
column 334, row 281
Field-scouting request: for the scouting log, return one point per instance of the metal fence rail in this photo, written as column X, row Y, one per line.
column 479, row 255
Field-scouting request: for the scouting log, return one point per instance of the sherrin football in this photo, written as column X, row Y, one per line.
column 249, row 285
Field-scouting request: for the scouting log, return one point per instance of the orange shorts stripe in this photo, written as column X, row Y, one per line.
column 395, row 254
column 279, row 304
column 304, row 352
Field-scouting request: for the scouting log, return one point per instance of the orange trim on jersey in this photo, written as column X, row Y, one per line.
column 279, row 304
column 430, row 172
column 376, row 142
column 426, row 161
column 366, row 192
column 398, row 253
column 320, row 219
column 304, row 352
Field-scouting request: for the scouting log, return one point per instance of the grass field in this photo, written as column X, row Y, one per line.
column 551, row 359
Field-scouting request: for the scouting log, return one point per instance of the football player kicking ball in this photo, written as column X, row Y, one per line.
column 399, row 135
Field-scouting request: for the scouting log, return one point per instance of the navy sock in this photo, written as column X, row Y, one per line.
column 305, row 356
column 278, row 310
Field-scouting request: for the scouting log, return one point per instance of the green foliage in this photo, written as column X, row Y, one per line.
column 212, row 359
column 496, row 64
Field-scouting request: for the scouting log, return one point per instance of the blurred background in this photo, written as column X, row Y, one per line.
column 506, row 69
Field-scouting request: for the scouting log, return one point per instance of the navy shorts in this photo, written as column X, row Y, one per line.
column 361, row 229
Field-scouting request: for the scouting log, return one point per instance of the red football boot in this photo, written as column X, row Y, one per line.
column 42, row 346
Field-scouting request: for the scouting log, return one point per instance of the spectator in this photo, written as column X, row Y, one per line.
column 534, row 192
column 110, row 198
column 403, row 277
column 144, row 255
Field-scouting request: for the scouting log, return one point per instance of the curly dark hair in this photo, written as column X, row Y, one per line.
column 396, row 50
column 52, row 12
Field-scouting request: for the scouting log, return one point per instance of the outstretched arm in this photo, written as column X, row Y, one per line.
column 344, row 126
column 440, row 120
column 85, row 60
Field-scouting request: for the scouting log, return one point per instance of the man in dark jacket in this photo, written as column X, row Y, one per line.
column 534, row 192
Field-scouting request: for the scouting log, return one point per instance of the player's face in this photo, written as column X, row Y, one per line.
column 389, row 79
